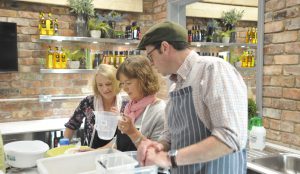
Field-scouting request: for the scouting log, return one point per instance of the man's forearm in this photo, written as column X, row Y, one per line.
column 209, row 149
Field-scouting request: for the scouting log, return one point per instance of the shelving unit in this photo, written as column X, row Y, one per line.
column 216, row 44
column 67, row 71
column 45, row 38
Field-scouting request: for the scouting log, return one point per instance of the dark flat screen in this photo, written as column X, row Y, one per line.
column 8, row 47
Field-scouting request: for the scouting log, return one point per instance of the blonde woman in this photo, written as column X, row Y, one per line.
column 105, row 98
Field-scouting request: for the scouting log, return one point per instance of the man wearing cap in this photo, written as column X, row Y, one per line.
column 206, row 125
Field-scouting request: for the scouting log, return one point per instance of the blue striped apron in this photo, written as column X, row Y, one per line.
column 186, row 129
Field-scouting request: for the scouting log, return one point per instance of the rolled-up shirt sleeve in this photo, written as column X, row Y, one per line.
column 166, row 136
column 225, row 97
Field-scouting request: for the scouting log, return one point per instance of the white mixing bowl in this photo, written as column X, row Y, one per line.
column 23, row 154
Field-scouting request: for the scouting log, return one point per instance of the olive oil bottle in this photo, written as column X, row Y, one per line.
column 43, row 30
column 40, row 22
column 252, row 59
column 245, row 59
column 55, row 26
column 247, row 36
column 63, row 59
column 56, row 59
column 249, row 59
column 49, row 59
column 49, row 25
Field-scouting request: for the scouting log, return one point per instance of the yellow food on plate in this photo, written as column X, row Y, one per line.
column 70, row 149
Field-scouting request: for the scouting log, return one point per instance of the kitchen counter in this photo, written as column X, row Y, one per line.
column 270, row 149
column 32, row 126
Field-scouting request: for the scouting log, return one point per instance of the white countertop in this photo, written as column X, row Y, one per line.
column 32, row 126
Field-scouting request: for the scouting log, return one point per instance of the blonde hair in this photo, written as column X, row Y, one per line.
column 140, row 68
column 109, row 72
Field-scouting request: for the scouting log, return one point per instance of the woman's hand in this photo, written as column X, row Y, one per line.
column 114, row 109
column 126, row 126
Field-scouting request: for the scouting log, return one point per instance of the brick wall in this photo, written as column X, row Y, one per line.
column 281, row 85
column 19, row 91
column 159, row 10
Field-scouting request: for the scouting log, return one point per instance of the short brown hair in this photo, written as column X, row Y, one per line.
column 109, row 72
column 140, row 68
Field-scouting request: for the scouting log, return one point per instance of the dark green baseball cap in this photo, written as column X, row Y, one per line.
column 165, row 31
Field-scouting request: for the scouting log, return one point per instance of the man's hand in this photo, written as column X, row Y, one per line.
column 143, row 148
column 160, row 158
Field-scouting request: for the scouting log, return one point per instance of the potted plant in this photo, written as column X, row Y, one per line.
column 111, row 19
column 212, row 26
column 74, row 58
column 231, row 17
column 226, row 36
column 119, row 34
column 84, row 9
column 234, row 60
column 217, row 37
column 252, row 111
column 96, row 27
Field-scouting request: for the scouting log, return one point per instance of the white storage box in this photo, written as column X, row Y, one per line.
column 85, row 163
column 121, row 163
column 115, row 163
column 78, row 163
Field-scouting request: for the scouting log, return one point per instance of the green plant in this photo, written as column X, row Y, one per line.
column 219, row 32
column 232, row 16
column 75, row 55
column 92, row 24
column 111, row 16
column 213, row 23
column 82, row 7
column 233, row 59
column 119, row 33
column 96, row 24
column 252, row 110
column 226, row 33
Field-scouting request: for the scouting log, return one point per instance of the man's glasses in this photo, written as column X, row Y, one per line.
column 149, row 54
